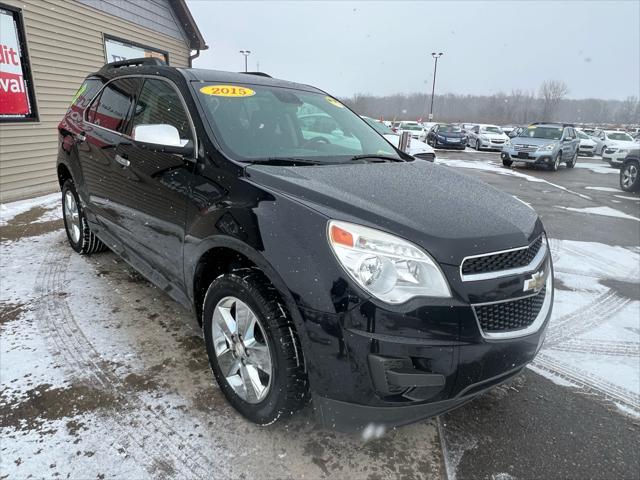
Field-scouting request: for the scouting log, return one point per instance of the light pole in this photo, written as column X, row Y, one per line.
column 436, row 56
column 246, row 53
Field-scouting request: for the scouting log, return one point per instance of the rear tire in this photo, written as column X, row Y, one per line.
column 630, row 176
column 243, row 382
column 80, row 237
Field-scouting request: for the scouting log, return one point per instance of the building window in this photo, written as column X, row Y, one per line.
column 17, row 96
column 117, row 49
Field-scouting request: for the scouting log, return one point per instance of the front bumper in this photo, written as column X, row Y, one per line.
column 614, row 159
column 392, row 366
column 490, row 145
column 535, row 157
column 459, row 145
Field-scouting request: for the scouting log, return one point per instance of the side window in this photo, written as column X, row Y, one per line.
column 111, row 109
column 159, row 103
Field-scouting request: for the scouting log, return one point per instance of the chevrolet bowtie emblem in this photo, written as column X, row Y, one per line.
column 535, row 283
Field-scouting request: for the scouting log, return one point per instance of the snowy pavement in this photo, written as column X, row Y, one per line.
column 104, row 376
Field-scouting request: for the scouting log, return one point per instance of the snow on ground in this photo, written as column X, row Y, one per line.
column 8, row 211
column 604, row 189
column 501, row 170
column 593, row 339
column 605, row 211
column 595, row 168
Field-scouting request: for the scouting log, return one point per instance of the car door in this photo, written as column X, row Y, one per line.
column 105, row 122
column 156, row 187
column 433, row 134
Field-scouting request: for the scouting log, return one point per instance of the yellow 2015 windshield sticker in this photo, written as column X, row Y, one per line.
column 227, row 91
column 334, row 102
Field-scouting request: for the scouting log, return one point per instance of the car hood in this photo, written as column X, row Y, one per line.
column 587, row 141
column 494, row 136
column 449, row 214
column 536, row 142
column 621, row 144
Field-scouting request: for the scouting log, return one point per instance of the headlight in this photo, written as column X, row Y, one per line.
column 547, row 148
column 440, row 137
column 507, row 143
column 484, row 137
column 389, row 268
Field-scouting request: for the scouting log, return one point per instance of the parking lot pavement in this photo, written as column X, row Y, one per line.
column 104, row 376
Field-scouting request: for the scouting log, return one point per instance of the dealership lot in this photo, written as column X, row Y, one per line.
column 103, row 375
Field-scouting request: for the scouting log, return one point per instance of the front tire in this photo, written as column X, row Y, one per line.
column 506, row 162
column 253, row 349
column 630, row 176
column 572, row 163
column 478, row 145
column 556, row 163
column 80, row 236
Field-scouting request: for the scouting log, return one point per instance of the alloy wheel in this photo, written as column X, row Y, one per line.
column 72, row 216
column 629, row 175
column 242, row 349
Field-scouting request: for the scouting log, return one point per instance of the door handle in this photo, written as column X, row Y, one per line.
column 122, row 161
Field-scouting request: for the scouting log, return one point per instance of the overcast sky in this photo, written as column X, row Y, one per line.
column 384, row 47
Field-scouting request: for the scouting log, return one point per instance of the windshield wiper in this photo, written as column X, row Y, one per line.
column 382, row 157
column 284, row 161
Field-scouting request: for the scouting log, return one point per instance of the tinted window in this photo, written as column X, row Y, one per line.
column 159, row 103
column 114, row 104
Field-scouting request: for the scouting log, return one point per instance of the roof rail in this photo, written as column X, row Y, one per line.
column 259, row 74
column 135, row 62
column 553, row 123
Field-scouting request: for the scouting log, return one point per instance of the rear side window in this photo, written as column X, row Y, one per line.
column 112, row 108
column 159, row 103
column 85, row 93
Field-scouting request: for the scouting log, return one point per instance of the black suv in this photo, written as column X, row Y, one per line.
column 332, row 268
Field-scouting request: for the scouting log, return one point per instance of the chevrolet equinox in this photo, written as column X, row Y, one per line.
column 382, row 288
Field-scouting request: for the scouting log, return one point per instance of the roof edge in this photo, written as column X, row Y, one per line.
column 196, row 40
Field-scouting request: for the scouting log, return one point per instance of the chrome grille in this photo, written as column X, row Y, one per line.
column 525, row 148
column 502, row 261
column 510, row 316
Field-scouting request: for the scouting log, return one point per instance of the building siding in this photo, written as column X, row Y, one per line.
column 65, row 44
column 153, row 14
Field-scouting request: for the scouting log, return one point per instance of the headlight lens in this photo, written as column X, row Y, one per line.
column 547, row 148
column 389, row 268
column 441, row 137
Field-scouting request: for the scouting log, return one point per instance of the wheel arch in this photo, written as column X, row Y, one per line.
column 223, row 254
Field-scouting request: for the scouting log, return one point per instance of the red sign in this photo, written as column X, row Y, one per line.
column 14, row 98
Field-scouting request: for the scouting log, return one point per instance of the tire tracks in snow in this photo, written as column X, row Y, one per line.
column 155, row 441
column 588, row 381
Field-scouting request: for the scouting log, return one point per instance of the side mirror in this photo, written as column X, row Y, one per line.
column 161, row 138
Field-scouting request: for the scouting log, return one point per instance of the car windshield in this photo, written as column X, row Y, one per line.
column 449, row 129
column 410, row 126
column 620, row 136
column 255, row 122
column 491, row 129
column 582, row 135
column 379, row 127
column 547, row 133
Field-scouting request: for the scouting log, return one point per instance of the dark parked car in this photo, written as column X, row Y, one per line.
column 446, row 135
column 630, row 172
column 353, row 276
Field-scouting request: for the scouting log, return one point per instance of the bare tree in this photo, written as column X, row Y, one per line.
column 552, row 92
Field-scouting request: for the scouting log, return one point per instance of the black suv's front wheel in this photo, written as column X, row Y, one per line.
column 80, row 237
column 253, row 349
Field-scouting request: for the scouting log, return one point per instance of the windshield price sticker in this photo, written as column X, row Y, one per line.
column 334, row 102
column 227, row 91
